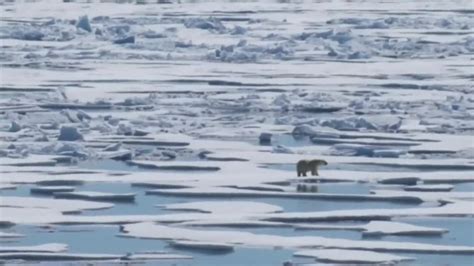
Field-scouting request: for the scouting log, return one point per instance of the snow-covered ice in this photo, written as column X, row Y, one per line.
column 150, row 230
column 189, row 118
column 350, row 256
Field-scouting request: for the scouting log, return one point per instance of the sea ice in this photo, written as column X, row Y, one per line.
column 70, row 134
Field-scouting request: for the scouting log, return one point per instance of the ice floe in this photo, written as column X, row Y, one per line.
column 350, row 256
column 220, row 101
column 44, row 203
column 47, row 248
column 150, row 230
column 9, row 235
column 224, row 207
column 96, row 196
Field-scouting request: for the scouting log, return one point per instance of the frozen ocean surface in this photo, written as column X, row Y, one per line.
column 168, row 132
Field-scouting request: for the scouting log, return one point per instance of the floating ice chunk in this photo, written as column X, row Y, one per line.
column 14, row 127
column 20, row 215
column 88, row 106
column 69, row 133
column 96, row 196
column 127, row 130
column 155, row 256
column 377, row 228
column 351, row 123
column 265, row 138
column 238, row 30
column 430, row 188
column 129, row 39
column 380, row 144
column 42, row 138
column 83, row 23
column 53, row 204
column 451, row 197
column 50, row 126
column 388, row 153
column 350, row 256
column 73, row 118
column 353, row 150
column 304, row 130
column 153, row 35
column 224, row 207
column 265, row 192
column 113, row 147
column 4, row 153
column 143, row 141
column 365, row 150
column 283, row 101
column 359, row 55
column 50, row 248
column 282, row 149
column 31, row 160
column 393, row 228
column 28, row 35
column 321, row 108
column 169, row 154
column 83, row 115
column 236, row 223
column 230, row 55
column 69, row 149
column 10, row 235
column 120, row 155
column 205, row 24
column 152, row 230
column 176, row 166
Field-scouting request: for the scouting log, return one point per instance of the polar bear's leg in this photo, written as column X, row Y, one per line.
column 302, row 168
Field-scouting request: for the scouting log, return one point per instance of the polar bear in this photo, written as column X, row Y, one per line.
column 303, row 166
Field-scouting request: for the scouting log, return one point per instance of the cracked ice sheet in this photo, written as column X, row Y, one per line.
column 36, row 216
column 257, row 192
column 429, row 196
column 258, row 220
column 21, row 215
column 377, row 228
column 223, row 207
column 456, row 208
column 50, row 248
column 32, row 160
column 153, row 231
column 248, row 174
column 51, row 204
column 350, row 256
column 279, row 158
column 372, row 228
